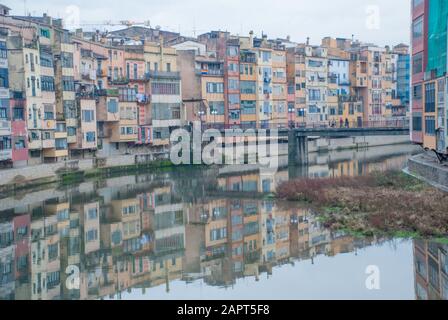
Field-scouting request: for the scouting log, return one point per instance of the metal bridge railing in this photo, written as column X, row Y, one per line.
column 391, row 123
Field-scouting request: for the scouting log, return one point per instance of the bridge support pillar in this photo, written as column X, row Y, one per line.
column 297, row 149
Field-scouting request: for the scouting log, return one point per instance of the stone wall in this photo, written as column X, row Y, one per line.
column 427, row 168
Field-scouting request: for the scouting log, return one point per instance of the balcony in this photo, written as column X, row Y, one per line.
column 248, row 58
column 143, row 98
column 89, row 75
column 5, row 127
column 5, row 155
column 86, row 95
column 108, row 92
column 162, row 75
column 210, row 72
column 60, row 134
column 48, row 144
column 35, row 144
column 119, row 81
column 70, row 139
column 143, row 78
column 55, row 153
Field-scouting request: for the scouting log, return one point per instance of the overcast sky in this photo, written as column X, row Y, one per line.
column 379, row 21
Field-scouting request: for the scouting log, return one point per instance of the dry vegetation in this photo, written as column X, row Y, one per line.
column 389, row 202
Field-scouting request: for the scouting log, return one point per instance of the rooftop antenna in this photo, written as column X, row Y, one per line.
column 194, row 27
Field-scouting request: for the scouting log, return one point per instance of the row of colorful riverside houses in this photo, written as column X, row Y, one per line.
column 429, row 72
column 70, row 95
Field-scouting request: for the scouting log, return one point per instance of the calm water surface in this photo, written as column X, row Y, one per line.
column 206, row 233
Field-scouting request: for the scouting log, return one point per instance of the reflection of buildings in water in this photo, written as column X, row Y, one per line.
column 431, row 270
column 147, row 239
column 137, row 232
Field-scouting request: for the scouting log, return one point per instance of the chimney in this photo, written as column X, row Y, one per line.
column 48, row 20
column 79, row 33
column 251, row 38
column 308, row 41
column 264, row 40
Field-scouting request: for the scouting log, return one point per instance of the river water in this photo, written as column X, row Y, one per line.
column 206, row 233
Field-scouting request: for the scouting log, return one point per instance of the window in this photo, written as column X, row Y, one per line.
column 233, row 67
column 216, row 107
column 68, row 83
column 278, row 89
column 32, row 62
column 67, row 59
column 127, row 94
column 430, row 97
column 233, row 84
column 417, row 92
column 45, row 33
column 218, row 234
column 417, row 28
column 53, row 250
column 70, row 111
column 3, row 113
column 234, row 99
column 92, row 235
column 266, row 56
column 71, row 131
column 112, row 106
column 248, row 87
column 47, row 83
column 168, row 67
column 232, row 51
column 3, row 50
column 234, row 114
column 165, row 88
column 314, row 94
column 417, row 63
column 248, row 107
column 417, row 123
column 430, row 126
column 49, row 115
column 46, row 59
column 315, row 63
column 61, row 144
column 4, row 78
column 19, row 114
column 215, row 87
column 90, row 136
column 63, row 215
column 88, row 115
column 5, row 143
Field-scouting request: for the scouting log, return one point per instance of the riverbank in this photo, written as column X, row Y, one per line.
column 67, row 172
column 392, row 203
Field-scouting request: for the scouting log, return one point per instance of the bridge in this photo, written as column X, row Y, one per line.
column 299, row 134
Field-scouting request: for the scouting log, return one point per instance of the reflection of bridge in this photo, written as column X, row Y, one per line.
column 298, row 138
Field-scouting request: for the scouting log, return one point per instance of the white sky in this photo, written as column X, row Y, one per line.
column 378, row 21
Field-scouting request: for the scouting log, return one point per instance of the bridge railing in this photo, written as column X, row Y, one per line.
column 390, row 123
